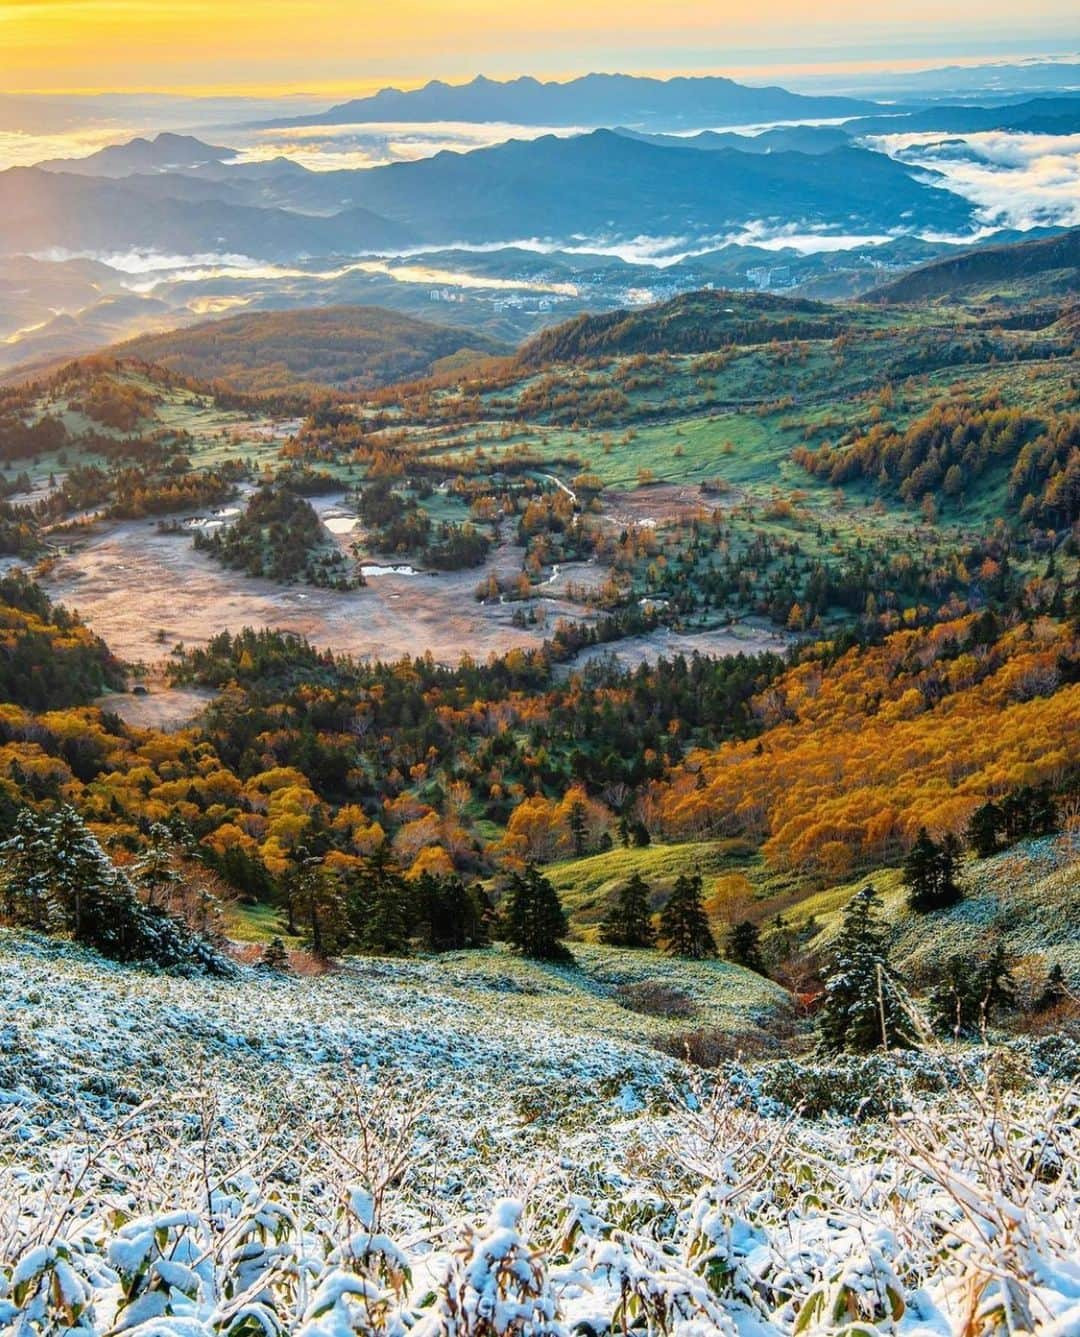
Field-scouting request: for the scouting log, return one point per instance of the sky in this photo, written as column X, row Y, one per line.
column 355, row 46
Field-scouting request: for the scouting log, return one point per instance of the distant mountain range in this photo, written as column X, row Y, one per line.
column 599, row 185
column 607, row 185
column 164, row 153
column 1042, row 116
column 592, row 100
column 781, row 139
column 170, row 214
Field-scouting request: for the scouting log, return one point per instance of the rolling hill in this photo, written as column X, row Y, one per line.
column 1049, row 266
column 345, row 347
column 690, row 323
column 169, row 213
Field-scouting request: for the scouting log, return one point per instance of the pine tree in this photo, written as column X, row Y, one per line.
column 628, row 922
column 955, row 1002
column 930, row 873
column 275, row 957
column 983, row 828
column 970, row 994
column 317, row 901
column 578, row 829
column 450, row 916
column 996, row 983
column 863, row 1009
column 684, row 925
column 1054, row 991
column 155, row 871
column 379, row 907
column 535, row 921
column 56, row 877
column 744, row 947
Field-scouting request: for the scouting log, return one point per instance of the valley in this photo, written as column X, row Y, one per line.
column 539, row 698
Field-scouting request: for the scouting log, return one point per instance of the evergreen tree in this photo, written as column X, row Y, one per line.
column 930, row 873
column 379, row 908
column 744, row 947
column 535, row 921
column 628, row 922
column 1054, row 991
column 155, row 872
column 449, row 915
column 970, row 994
column 578, row 829
column 56, row 877
column 982, row 832
column 684, row 925
column 955, row 1002
column 317, row 903
column 863, row 1009
column 275, row 957
column 996, row 983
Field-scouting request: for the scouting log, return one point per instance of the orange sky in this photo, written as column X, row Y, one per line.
column 324, row 45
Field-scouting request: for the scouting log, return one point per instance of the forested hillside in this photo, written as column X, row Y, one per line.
column 347, row 348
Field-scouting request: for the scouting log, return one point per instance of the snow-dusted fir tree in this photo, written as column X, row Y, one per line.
column 155, row 870
column 864, row 1008
column 58, row 878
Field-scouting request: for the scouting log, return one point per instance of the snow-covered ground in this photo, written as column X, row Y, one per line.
column 478, row 1145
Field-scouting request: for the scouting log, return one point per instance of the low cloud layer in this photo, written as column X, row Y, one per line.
column 1014, row 180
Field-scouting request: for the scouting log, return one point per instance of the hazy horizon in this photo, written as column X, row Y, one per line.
column 283, row 46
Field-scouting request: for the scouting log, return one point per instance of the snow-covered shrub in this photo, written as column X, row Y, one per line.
column 164, row 1267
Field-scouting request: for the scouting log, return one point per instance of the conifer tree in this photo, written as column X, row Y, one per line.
column 379, row 905
column 449, row 915
column 155, row 871
column 1054, row 991
column 317, row 901
column 971, row 994
column 684, row 925
column 863, row 1009
column 628, row 922
column 996, row 983
column 578, row 829
column 744, row 947
column 930, row 873
column 983, row 828
column 275, row 957
column 535, row 920
column 54, row 876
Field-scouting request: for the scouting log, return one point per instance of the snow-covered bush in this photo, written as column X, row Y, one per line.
column 376, row 1152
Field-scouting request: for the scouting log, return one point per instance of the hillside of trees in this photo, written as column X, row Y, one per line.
column 345, row 348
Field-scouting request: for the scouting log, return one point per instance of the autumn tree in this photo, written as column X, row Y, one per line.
column 628, row 922
column 863, row 1008
column 535, row 922
column 684, row 925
